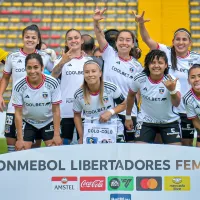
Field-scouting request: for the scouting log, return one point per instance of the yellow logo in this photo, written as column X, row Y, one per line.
column 177, row 183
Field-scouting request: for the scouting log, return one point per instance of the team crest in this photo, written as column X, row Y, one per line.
column 44, row 95
column 91, row 140
column 190, row 64
column 131, row 69
column 105, row 99
column 161, row 90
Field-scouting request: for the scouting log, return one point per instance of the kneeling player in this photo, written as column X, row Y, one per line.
column 37, row 111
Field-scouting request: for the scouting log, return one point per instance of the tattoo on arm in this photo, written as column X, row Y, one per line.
column 98, row 28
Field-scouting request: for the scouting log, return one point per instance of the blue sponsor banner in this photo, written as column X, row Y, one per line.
column 120, row 197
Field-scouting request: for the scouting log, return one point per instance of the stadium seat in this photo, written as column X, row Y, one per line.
column 131, row 11
column 57, row 20
column 45, row 28
column 38, row 4
column 3, row 28
column 6, row 4
column 131, row 4
column 195, row 27
column 67, row 20
column 79, row 4
column 79, row 28
column 88, row 20
column 63, row 36
column 69, row 4
column 54, row 36
column 100, row 4
column 14, row 20
column 4, row 20
column 10, row 45
column 111, row 4
column 4, row 12
column 26, row 12
column 130, row 20
column 109, row 20
column 90, row 4
column 120, row 27
column 66, row 28
column 56, row 28
column 17, row 4
column 2, row 44
column 2, row 36
column 121, row 12
column 47, row 12
column 195, row 19
column 48, row 4
column 27, row 4
column 12, row 36
column 194, row 11
column 195, row 44
column 110, row 12
column 37, row 12
column 57, row 12
column 59, row 4
column 22, row 28
column 46, row 20
column 89, row 12
column 62, row 44
column 13, row 28
column 196, row 36
column 16, row 12
column 54, row 45
column 194, row 3
column 20, row 45
column 78, row 20
column 45, row 36
column 68, row 12
column 110, row 27
column 121, row 4
column 25, row 20
column 36, row 20
column 131, row 28
column 88, row 28
column 79, row 12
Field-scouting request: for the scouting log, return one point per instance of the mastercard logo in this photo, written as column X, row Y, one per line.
column 149, row 183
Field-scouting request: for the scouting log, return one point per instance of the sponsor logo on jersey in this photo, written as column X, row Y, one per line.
column 93, row 183
column 177, row 183
column 131, row 69
column 190, row 63
column 37, row 104
column 119, row 71
column 44, row 95
column 118, row 62
column 19, row 61
column 148, row 183
column 74, row 73
column 27, row 96
column 69, row 100
column 20, row 70
column 197, row 107
column 153, row 98
column 91, row 140
column 120, row 183
column 97, row 110
column 161, row 90
column 65, row 183
column 145, row 89
column 120, row 197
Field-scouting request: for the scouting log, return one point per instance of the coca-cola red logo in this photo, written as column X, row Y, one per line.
column 94, row 183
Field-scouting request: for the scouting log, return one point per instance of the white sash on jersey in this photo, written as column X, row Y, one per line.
column 97, row 133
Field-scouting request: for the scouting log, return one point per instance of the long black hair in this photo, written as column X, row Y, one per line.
column 34, row 56
column 156, row 53
column 35, row 28
column 194, row 66
column 173, row 51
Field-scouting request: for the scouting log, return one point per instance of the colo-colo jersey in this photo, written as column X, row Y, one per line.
column 37, row 102
column 112, row 94
column 192, row 104
column 156, row 106
column 183, row 65
column 71, row 80
column 120, row 72
column 15, row 65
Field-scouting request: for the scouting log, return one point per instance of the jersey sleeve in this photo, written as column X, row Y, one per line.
column 8, row 65
column 118, row 96
column 56, row 94
column 134, row 86
column 77, row 107
column 190, row 111
column 108, row 52
column 17, row 97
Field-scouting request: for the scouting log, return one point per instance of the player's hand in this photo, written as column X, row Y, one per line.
column 140, row 18
column 129, row 124
column 2, row 104
column 52, row 53
column 19, row 145
column 170, row 84
column 57, row 141
column 66, row 57
column 98, row 14
column 105, row 116
column 80, row 141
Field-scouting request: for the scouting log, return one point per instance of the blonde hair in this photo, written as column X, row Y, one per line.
column 86, row 91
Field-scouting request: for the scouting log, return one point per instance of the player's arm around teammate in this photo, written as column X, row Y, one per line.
column 36, row 99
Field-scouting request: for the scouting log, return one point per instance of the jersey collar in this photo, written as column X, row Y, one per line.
column 39, row 86
column 122, row 59
column 155, row 82
column 198, row 98
column 25, row 54
column 188, row 53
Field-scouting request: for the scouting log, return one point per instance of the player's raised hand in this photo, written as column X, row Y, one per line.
column 98, row 14
column 170, row 84
column 140, row 18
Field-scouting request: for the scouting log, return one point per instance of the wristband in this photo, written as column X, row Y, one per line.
column 173, row 92
column 112, row 111
column 128, row 117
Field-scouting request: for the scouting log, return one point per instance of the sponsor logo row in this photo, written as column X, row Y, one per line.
column 121, row 183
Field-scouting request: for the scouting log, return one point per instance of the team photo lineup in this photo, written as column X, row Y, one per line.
column 101, row 94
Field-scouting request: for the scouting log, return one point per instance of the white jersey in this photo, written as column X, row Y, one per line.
column 120, row 72
column 156, row 106
column 15, row 65
column 71, row 80
column 37, row 102
column 192, row 105
column 183, row 65
column 112, row 94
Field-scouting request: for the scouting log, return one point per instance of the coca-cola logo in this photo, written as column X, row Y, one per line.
column 97, row 183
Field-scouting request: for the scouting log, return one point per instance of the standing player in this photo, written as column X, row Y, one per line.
column 159, row 92
column 97, row 99
column 192, row 99
column 15, row 68
column 69, row 68
column 36, row 99
column 120, row 66
column 180, row 60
